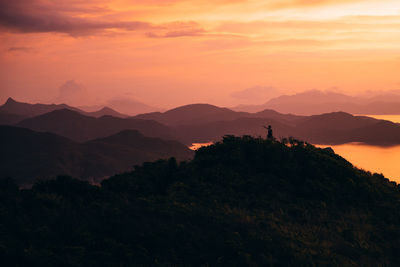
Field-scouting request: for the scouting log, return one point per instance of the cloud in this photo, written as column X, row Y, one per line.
column 19, row 49
column 256, row 94
column 295, row 42
column 178, row 33
column 349, row 23
column 280, row 4
column 35, row 16
column 179, row 29
column 72, row 93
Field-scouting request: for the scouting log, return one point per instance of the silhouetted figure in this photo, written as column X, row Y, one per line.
column 269, row 134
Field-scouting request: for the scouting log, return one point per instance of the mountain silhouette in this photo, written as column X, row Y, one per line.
column 272, row 114
column 13, row 111
column 316, row 102
column 27, row 155
column 78, row 127
column 381, row 133
column 9, row 119
column 330, row 128
column 205, row 123
column 105, row 111
column 341, row 127
column 12, row 106
column 193, row 114
column 130, row 106
column 240, row 202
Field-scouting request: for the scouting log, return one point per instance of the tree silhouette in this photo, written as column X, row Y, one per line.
column 243, row 201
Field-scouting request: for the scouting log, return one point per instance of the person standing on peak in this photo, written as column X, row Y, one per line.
column 269, row 133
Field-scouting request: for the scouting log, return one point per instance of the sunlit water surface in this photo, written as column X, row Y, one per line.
column 393, row 118
column 196, row 146
column 385, row 160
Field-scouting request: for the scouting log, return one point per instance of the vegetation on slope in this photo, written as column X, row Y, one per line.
column 240, row 202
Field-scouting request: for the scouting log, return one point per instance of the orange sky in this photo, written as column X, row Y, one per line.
column 169, row 52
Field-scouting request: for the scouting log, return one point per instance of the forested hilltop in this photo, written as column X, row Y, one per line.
column 241, row 202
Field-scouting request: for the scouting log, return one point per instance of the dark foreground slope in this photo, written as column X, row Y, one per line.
column 242, row 202
column 28, row 155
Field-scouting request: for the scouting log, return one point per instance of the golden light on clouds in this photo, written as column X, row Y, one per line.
column 174, row 52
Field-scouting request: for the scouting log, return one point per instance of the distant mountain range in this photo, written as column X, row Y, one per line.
column 80, row 128
column 330, row 128
column 13, row 111
column 193, row 114
column 105, row 111
column 306, row 103
column 317, row 102
column 65, row 141
column 130, row 106
column 198, row 114
column 209, row 123
column 127, row 106
column 26, row 155
column 204, row 123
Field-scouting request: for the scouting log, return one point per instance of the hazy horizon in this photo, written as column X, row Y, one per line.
column 170, row 53
column 115, row 101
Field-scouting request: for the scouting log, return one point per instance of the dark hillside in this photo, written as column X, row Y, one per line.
column 9, row 119
column 272, row 114
column 12, row 106
column 78, row 127
column 193, row 114
column 341, row 127
column 241, row 202
column 27, row 110
column 105, row 111
column 27, row 155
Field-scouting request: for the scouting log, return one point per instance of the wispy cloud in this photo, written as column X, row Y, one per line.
column 72, row 92
column 177, row 29
column 19, row 49
column 256, row 94
column 34, row 16
column 306, row 3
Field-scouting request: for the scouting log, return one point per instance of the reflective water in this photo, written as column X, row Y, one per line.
column 385, row 160
column 393, row 118
column 196, row 146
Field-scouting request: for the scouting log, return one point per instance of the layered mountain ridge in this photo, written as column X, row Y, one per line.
column 27, row 155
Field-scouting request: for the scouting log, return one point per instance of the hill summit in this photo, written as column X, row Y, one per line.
column 241, row 202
